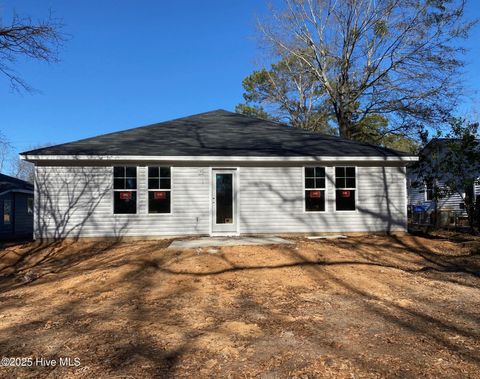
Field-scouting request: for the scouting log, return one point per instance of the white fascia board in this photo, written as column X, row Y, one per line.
column 28, row 157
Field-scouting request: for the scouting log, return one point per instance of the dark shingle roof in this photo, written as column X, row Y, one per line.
column 217, row 133
column 9, row 183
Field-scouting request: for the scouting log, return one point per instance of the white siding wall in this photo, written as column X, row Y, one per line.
column 272, row 202
column 77, row 201
column 73, row 201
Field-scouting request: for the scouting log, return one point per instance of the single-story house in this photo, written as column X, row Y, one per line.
column 217, row 173
column 16, row 207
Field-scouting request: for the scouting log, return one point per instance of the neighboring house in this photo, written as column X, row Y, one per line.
column 16, row 202
column 217, row 173
column 422, row 193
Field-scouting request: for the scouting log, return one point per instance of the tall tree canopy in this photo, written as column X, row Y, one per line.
column 286, row 92
column 396, row 62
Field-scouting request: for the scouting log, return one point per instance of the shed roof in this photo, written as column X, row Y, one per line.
column 9, row 183
column 217, row 133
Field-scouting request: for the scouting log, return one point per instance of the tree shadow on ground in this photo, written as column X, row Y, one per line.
column 167, row 312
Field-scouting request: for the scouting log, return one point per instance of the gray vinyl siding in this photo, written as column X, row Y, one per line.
column 72, row 201
column 451, row 202
column 416, row 196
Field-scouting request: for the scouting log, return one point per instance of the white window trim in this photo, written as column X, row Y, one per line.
column 159, row 189
column 124, row 190
column 211, row 215
column 345, row 189
column 304, row 199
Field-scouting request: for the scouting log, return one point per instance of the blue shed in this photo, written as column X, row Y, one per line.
column 16, row 208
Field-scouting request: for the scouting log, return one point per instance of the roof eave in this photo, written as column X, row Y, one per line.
column 37, row 158
column 26, row 191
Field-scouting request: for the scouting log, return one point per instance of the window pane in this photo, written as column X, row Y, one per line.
column 224, row 198
column 350, row 172
column 131, row 183
column 339, row 171
column 315, row 201
column 124, row 202
column 309, row 171
column 153, row 183
column 165, row 172
column 320, row 183
column 319, row 171
column 309, row 183
column 340, row 182
column 131, row 172
column 345, row 200
column 350, row 183
column 7, row 212
column 30, row 205
column 159, row 202
column 153, row 172
column 119, row 171
column 165, row 183
column 119, row 183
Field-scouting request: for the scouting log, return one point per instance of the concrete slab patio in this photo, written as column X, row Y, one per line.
column 227, row 241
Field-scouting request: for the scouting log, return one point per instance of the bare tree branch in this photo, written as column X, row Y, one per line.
column 399, row 58
column 24, row 38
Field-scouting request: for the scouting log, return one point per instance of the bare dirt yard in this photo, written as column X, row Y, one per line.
column 373, row 306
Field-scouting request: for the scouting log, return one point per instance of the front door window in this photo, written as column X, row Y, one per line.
column 224, row 196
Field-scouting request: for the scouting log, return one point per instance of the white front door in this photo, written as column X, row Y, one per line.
column 224, row 201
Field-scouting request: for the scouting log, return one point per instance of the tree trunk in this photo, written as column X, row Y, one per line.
column 344, row 123
column 477, row 212
column 470, row 206
column 435, row 213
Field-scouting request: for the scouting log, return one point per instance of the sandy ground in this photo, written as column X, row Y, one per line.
column 361, row 307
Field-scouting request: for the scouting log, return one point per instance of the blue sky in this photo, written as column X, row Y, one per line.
column 131, row 63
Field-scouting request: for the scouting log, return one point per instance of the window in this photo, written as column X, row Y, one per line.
column 124, row 189
column 429, row 189
column 159, row 189
column 7, row 212
column 315, row 189
column 345, row 188
column 30, row 205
